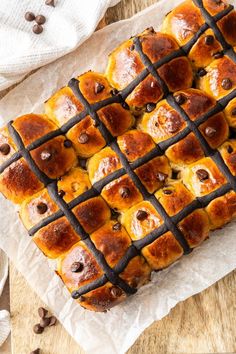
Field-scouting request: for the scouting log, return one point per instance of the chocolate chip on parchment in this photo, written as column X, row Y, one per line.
column 38, row 329
column 37, row 29
column 116, row 227
column 115, row 291
column 226, row 84
column 42, row 312
column 150, row 107
column 141, row 215
column 180, row 99
column 50, row 3
column 42, row 208
column 29, row 16
column 5, row 149
column 83, row 138
column 44, row 322
column 40, row 19
column 36, row 351
column 210, row 132
column 76, row 267
column 98, row 87
column 124, row 192
column 53, row 321
column 209, row 40
column 202, row 174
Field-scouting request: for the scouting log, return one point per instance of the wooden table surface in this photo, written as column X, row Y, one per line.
column 205, row 323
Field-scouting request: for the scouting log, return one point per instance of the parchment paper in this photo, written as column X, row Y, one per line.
column 115, row 331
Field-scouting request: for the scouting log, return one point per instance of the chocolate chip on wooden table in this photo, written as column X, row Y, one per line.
column 37, row 29
column 202, row 174
column 76, row 267
column 83, row 138
column 44, row 322
column 29, row 16
column 209, row 40
column 98, row 87
column 210, row 132
column 36, row 351
column 42, row 312
column 40, row 19
column 42, row 208
column 53, row 321
column 150, row 107
column 124, row 192
column 50, row 3
column 38, row 329
column 141, row 215
column 116, row 227
column 226, row 84
column 180, row 99
column 5, row 149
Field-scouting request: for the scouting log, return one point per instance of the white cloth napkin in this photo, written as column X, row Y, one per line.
column 4, row 315
column 67, row 25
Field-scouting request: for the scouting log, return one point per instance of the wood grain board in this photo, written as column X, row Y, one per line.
column 205, row 323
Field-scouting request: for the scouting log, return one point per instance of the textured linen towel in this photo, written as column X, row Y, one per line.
column 68, row 24
column 4, row 315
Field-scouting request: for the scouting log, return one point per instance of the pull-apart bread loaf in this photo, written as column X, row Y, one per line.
column 127, row 171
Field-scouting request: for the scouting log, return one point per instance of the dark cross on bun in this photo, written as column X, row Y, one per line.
column 127, row 171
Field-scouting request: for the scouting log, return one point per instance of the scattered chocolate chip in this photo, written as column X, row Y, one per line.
column 44, row 322
column 114, row 92
column 50, row 3
column 161, row 176
column 115, row 291
column 209, row 40
column 125, row 105
column 233, row 112
column 61, row 193
column 83, row 138
column 218, row 55
column 230, row 149
column 5, row 149
column 141, row 215
column 45, row 155
column 42, row 208
column 202, row 174
column 226, row 84
column 76, row 267
column 180, row 99
column 42, row 312
column 38, row 329
column 132, row 47
column 53, row 321
column 83, row 163
column 68, row 143
column 37, row 29
column 40, row 19
column 116, row 227
column 114, row 214
column 36, row 351
column 201, row 72
column 167, row 191
column 150, row 107
column 98, row 87
column 29, row 16
column 210, row 132
column 124, row 192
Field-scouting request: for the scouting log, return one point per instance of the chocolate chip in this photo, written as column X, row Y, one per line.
column 75, row 295
column 40, row 19
column 68, row 143
column 83, row 138
column 132, row 47
column 124, row 192
column 180, row 99
column 218, row 55
column 46, row 155
column 167, row 191
column 141, row 215
column 201, row 72
column 116, row 227
column 44, row 322
column 226, row 84
column 29, row 16
column 50, row 3
column 5, row 149
column 202, row 174
column 230, row 149
column 233, row 112
column 83, row 163
column 116, row 292
column 114, row 214
column 38, row 329
column 42, row 208
column 37, row 29
column 42, row 312
column 161, row 176
column 53, row 321
column 209, row 40
column 61, row 193
column 98, row 87
column 210, row 132
column 150, row 107
column 76, row 267
column 36, row 351
column 125, row 105
column 114, row 92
